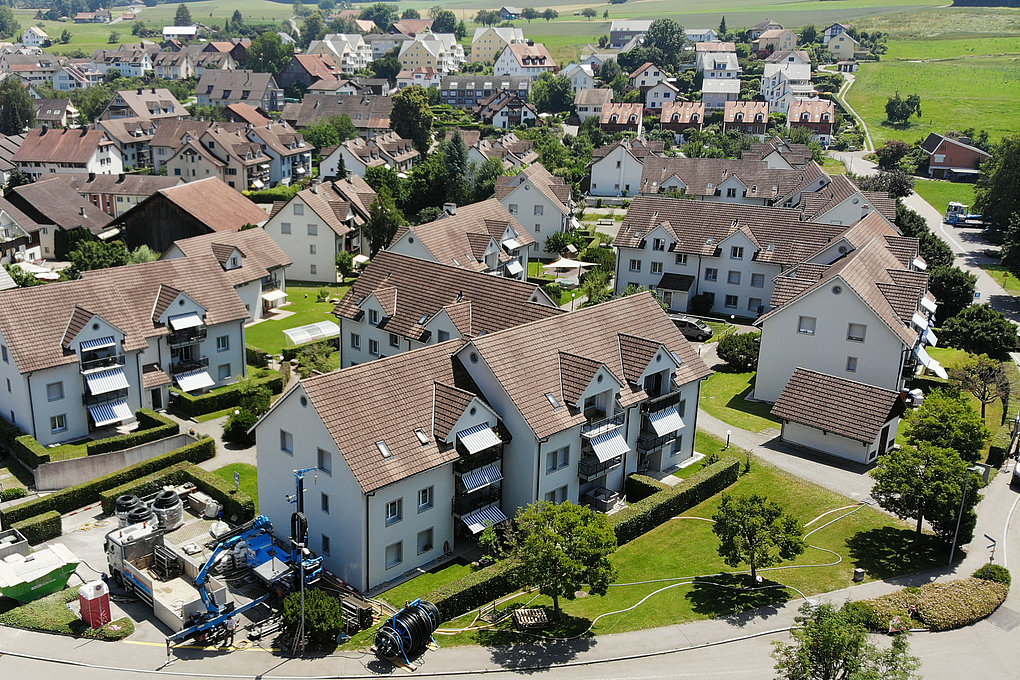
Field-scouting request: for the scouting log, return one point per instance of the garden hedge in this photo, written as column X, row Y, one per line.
column 998, row 445
column 151, row 427
column 78, row 496
column 29, row 451
column 254, row 356
column 224, row 397
column 143, row 486
column 39, row 528
column 290, row 353
column 474, row 590
column 639, row 487
column 51, row 614
column 940, row 605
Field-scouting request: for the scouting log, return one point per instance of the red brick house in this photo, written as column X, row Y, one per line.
column 952, row 159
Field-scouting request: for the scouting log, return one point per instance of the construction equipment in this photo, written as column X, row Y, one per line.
column 408, row 632
column 959, row 215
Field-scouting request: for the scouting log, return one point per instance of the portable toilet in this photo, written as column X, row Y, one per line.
column 94, row 599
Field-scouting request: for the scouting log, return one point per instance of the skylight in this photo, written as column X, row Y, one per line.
column 420, row 434
column 423, row 319
column 383, row 449
column 552, row 399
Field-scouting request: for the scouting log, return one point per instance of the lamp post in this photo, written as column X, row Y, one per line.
column 728, row 433
column 959, row 515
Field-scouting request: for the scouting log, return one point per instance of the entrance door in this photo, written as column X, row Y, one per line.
column 157, row 399
column 883, row 441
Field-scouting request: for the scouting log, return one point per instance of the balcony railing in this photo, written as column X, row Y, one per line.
column 93, row 399
column 188, row 336
column 649, row 441
column 184, row 365
column 104, row 362
column 468, row 462
column 465, row 502
column 671, row 398
column 601, row 422
column 589, row 467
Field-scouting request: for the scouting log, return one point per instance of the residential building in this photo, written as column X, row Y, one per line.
column 481, row 237
column 55, row 113
column 952, row 159
column 841, row 202
column 510, row 13
column 152, row 103
column 100, row 16
column 77, row 75
column 251, row 261
column 622, row 117
column 832, row 31
column 34, row 69
column 173, row 65
column 192, row 209
column 659, row 95
column 524, row 59
column 290, row 156
column 46, row 152
column 33, row 36
column 589, row 102
column 540, row 201
column 381, row 43
column 9, row 145
column 505, row 110
column 720, row 65
column 180, row 33
column 489, row 41
column 320, row 222
column 622, row 31
column 647, row 75
column 715, row 92
column 512, row 150
column 203, row 60
column 440, row 51
column 557, row 409
column 706, row 51
column 725, row 180
column 349, row 50
column 847, row 66
column 52, row 206
column 789, row 56
column 746, row 117
column 116, row 194
column 132, row 137
column 766, row 25
column 357, row 155
column 783, row 82
column 223, row 88
column 779, row 153
column 679, row 117
column 581, row 76
column 170, row 136
column 616, row 169
column 844, row 46
column 81, row 356
column 16, row 232
column 132, row 63
column 411, row 27
column 401, row 303
column 223, row 151
column 246, row 113
column 696, row 35
column 818, row 116
column 467, row 91
column 426, row 76
column 369, row 113
column 858, row 426
column 775, row 40
column 305, row 69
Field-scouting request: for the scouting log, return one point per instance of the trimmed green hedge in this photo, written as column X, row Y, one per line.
column 39, row 528
column 13, row 493
column 254, row 356
column 475, row 589
column 224, row 397
column 645, row 515
column 151, row 427
column 639, row 487
column 144, row 486
column 75, row 497
column 998, row 446
column 290, row 353
column 994, row 572
column 29, row 451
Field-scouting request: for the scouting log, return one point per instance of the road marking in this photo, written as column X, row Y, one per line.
column 1006, row 528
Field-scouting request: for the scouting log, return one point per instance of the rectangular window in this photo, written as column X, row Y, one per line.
column 355, row 341
column 313, row 229
column 443, row 336
column 806, row 325
column 54, row 391
column 3, row 354
column 324, row 502
column 394, row 340
column 394, row 554
column 324, row 461
column 635, row 265
column 656, row 267
column 856, row 332
column 731, row 301
column 425, row 497
column 299, row 209
column 373, row 347
column 737, row 253
column 313, row 270
column 286, row 442
column 394, row 511
column 658, row 244
column 373, row 317
column 733, row 278
column 681, row 259
column 284, row 227
column 325, row 544
column 58, row 423
column 757, row 280
column 557, row 495
column 711, row 274
column 753, row 304
column 731, row 193
column 425, row 541
column 851, row 364
column 539, row 209
column 223, row 372
column 222, row 343
column 311, row 248
column 512, row 208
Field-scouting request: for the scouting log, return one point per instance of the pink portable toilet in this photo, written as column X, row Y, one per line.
column 94, row 599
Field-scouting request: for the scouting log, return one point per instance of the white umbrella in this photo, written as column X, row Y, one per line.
column 565, row 263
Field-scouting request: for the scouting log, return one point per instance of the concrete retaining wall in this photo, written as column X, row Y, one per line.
column 62, row 474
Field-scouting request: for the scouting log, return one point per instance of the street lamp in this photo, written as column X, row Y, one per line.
column 728, row 433
column 959, row 515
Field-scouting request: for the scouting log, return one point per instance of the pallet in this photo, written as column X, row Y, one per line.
column 530, row 618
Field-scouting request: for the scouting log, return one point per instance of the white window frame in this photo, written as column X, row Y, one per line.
column 286, row 442
column 394, row 511
column 222, row 343
column 58, row 423
column 856, row 335
column 426, row 498
column 635, row 265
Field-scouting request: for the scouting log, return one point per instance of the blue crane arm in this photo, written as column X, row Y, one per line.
column 212, row 622
column 260, row 526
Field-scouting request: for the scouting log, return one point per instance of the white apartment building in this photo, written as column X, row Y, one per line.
column 616, row 169
column 541, row 203
column 47, row 152
column 524, row 59
column 785, row 81
column 349, row 50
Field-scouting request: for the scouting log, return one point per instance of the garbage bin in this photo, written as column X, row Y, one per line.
column 858, row 575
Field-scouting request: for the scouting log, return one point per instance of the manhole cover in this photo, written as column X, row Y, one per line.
column 1005, row 618
column 581, row 593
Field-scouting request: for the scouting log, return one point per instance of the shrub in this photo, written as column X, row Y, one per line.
column 144, row 486
column 475, row 589
column 864, row 613
column 51, row 614
column 998, row 445
column 40, row 528
column 12, row 494
column 253, row 356
column 222, row 398
column 315, row 357
column 29, row 451
column 324, row 617
column 994, row 572
column 290, row 353
column 81, row 495
column 700, row 304
column 942, row 606
column 236, row 428
column 151, row 427
column 639, row 487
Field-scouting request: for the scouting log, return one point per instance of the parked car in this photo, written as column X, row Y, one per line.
column 693, row 329
column 1015, row 479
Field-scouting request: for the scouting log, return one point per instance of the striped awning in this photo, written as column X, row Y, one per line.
column 482, row 477
column 98, row 343
column 478, row 438
column 666, row 421
column 179, row 322
column 194, row 380
column 479, row 519
column 109, row 380
column 609, row 445
column 110, row 412
column 514, row 267
column 920, row 320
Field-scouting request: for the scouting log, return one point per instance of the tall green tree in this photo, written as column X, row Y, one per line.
column 552, row 93
column 984, row 377
column 410, row 13
column 722, row 27
column 947, row 420
column 935, row 251
column 455, row 154
column 381, row 13
column 589, row 13
column 445, row 21
column 384, row 218
column 979, row 329
column 9, row 24
column 485, row 177
column 925, row 483
column 1010, row 251
column 89, row 255
column 269, row 54
column 529, row 14
column 17, row 109
column 953, row 288
column 561, row 549
column 668, row 38
column 183, row 15
column 755, row 531
column 549, row 14
column 996, row 196
column 313, row 28
column 386, row 66
column 833, row 644
column 411, row 117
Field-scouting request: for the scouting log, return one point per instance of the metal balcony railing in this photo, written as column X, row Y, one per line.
column 189, row 336
column 601, row 422
column 465, row 502
column 185, row 365
column 111, row 361
column 649, row 441
column 93, row 399
column 468, row 462
column 590, row 467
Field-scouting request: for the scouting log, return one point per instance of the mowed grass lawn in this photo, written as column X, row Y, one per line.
column 723, row 396
column 303, row 301
column 939, row 193
column 249, row 478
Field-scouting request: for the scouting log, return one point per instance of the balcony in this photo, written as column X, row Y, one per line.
column 589, row 467
column 671, row 398
column 469, row 502
column 93, row 399
column 185, row 365
column 648, row 441
column 111, row 361
column 188, row 336
column 468, row 462
column 600, row 422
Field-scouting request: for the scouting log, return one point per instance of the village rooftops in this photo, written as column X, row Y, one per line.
column 259, row 252
column 815, row 204
column 554, row 187
column 53, row 201
column 60, row 146
column 127, row 184
column 703, row 176
column 211, row 202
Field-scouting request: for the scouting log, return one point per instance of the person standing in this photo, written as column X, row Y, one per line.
column 231, row 628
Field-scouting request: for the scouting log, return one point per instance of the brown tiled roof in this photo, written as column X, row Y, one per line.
column 328, row 205
column 128, row 184
column 576, row 373
column 170, row 133
column 641, row 69
column 53, row 201
column 702, row 176
column 154, row 376
column 525, row 359
column 840, row 189
column 35, row 320
column 260, row 252
column 215, row 204
column 365, row 111
column 536, row 54
column 358, row 195
column 549, row 184
column 423, row 289
column 716, row 46
column 60, row 146
column 411, row 27
column 165, row 297
column 748, row 108
column 815, row 108
column 129, row 130
column 282, row 139
column 623, row 111
column 247, row 113
column 795, row 154
column 843, row 407
column 448, row 406
column 684, row 111
column 639, row 148
column 317, row 65
column 143, row 103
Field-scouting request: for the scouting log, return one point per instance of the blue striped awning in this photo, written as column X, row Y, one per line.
column 482, row 477
column 666, row 421
column 609, row 445
column 110, row 380
column 194, row 380
column 98, row 343
column 110, row 412
column 479, row 519
column 478, row 438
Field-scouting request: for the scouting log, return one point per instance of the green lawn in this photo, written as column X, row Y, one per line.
column 268, row 336
column 834, row 167
column 939, row 193
column 13, row 475
column 249, row 478
column 1003, row 277
column 426, row 582
column 720, row 329
column 722, row 395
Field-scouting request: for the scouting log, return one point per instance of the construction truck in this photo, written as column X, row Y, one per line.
column 959, row 215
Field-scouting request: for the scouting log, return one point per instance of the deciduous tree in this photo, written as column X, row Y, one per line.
column 979, row 329
column 552, row 93
column 946, row 420
column 740, row 350
column 984, row 377
column 384, row 218
column 269, row 54
column 549, row 14
column 996, row 196
column 381, row 13
column 669, row 38
column 17, row 109
column 89, row 255
column 953, row 288
column 411, row 117
column 445, row 21
column 589, row 13
column 755, row 531
column 529, row 14
column 935, row 251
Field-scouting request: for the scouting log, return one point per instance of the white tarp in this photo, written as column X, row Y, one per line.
column 274, row 295
column 312, row 332
column 194, row 380
column 566, row 263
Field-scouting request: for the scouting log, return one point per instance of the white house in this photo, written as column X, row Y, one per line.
column 659, row 95
column 489, row 41
column 715, row 92
column 77, row 75
column 720, row 65
column 357, row 155
column 647, row 75
column 80, row 356
column 440, row 51
column 843, row 46
column 589, row 102
column 616, row 169
column 45, row 152
column 524, row 59
column 581, row 76
column 182, row 33
column 349, row 50
column 540, row 201
column 782, row 82
column 725, row 180
column 35, row 37
column 696, row 35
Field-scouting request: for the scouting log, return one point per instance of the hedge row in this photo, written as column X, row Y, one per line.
column 492, row 582
column 75, row 497
column 39, row 528
column 221, row 398
column 254, row 356
column 290, row 353
column 143, row 486
column 29, row 451
column 938, row 606
column 639, row 487
column 998, row 446
column 643, row 516
column 151, row 427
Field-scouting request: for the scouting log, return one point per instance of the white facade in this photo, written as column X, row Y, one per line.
column 349, row 50
column 662, row 93
column 838, row 445
column 537, row 212
column 105, row 160
column 696, row 35
column 581, row 76
column 489, row 41
column 35, row 37
column 308, row 241
column 618, row 173
column 508, row 65
column 715, row 92
column 648, row 77
column 783, row 82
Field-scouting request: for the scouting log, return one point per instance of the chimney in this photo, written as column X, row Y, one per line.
column 82, row 211
column 92, row 177
column 450, row 208
column 45, row 129
column 139, row 91
column 153, row 90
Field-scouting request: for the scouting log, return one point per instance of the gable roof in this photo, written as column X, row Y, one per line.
column 639, row 148
column 593, row 96
column 211, row 202
column 328, row 205
column 529, row 56
column 60, row 146
column 843, row 407
column 127, row 184
column 817, row 203
column 814, row 108
column 683, row 111
column 53, row 201
column 702, row 176
column 260, row 252
column 749, row 108
column 357, row 193
column 555, row 188
column 623, row 111
column 932, row 142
